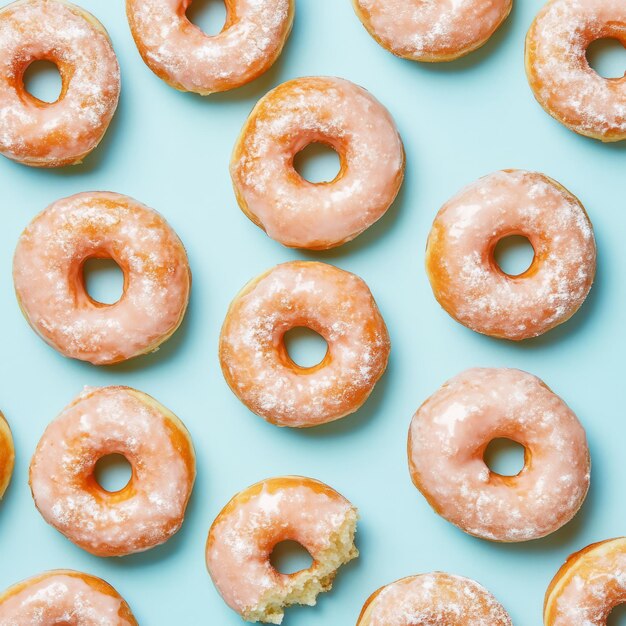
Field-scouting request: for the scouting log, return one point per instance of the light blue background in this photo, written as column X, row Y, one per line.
column 171, row 150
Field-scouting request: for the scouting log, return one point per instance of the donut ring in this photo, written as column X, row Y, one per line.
column 147, row 511
column 448, row 437
column 560, row 76
column 468, row 283
column 43, row 134
column 432, row 600
column 588, row 586
column 246, row 531
column 7, row 455
column 334, row 303
column 432, row 31
column 289, row 208
column 50, row 288
column 184, row 57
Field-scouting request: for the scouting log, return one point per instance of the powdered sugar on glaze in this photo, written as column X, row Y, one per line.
column 433, row 600
column 188, row 59
column 559, row 73
column 114, row 420
column 334, row 303
column 432, row 30
column 60, row 133
column 299, row 213
column 448, row 437
column 465, row 277
column 47, row 271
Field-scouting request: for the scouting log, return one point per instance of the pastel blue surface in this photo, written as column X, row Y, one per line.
column 171, row 151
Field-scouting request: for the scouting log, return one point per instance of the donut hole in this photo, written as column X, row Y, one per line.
column 113, row 472
column 317, row 163
column 504, row 457
column 103, row 280
column 289, row 557
column 607, row 57
column 305, row 347
column 208, row 15
column 514, row 254
column 617, row 616
column 42, row 80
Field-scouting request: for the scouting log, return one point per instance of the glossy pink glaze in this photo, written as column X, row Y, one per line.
column 292, row 210
column 60, row 133
column 47, row 272
column 114, row 420
column 448, row 437
column 468, row 283
column 190, row 60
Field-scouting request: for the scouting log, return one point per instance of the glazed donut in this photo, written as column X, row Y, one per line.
column 468, row 283
column 64, row 597
column 433, row 600
column 334, row 303
column 147, row 511
column 432, row 31
column 244, row 534
column 558, row 71
column 588, row 587
column 7, row 455
column 184, row 57
column 44, row 134
column 448, row 437
column 49, row 284
column 317, row 216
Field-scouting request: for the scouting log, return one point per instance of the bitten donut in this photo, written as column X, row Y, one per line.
column 244, row 534
column 449, row 435
column 64, row 597
column 50, row 287
column 7, row 455
column 468, row 283
column 334, row 303
column 289, row 208
column 433, row 600
column 432, row 31
column 559, row 74
column 588, row 587
column 147, row 511
column 183, row 56
column 44, row 134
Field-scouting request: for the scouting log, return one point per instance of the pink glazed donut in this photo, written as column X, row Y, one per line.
column 183, row 56
column 98, row 423
column 432, row 31
column 332, row 111
column 44, row 134
column 447, row 441
column 469, row 284
column 49, row 283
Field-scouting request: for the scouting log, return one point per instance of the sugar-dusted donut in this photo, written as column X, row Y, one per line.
column 48, row 277
column 465, row 277
column 448, row 437
column 183, row 56
column 246, row 531
column 45, row 134
column 433, row 599
column 7, row 455
column 64, row 597
column 432, row 31
column 589, row 585
column 332, row 111
column 147, row 511
column 558, row 71
column 334, row 303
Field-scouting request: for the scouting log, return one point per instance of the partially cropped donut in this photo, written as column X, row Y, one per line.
column 64, row 597
column 45, row 134
column 469, row 284
column 558, row 71
column 150, row 508
column 448, row 437
column 50, row 287
column 7, row 455
column 435, row 599
column 179, row 53
column 432, row 31
column 246, row 531
column 334, row 303
column 332, row 111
